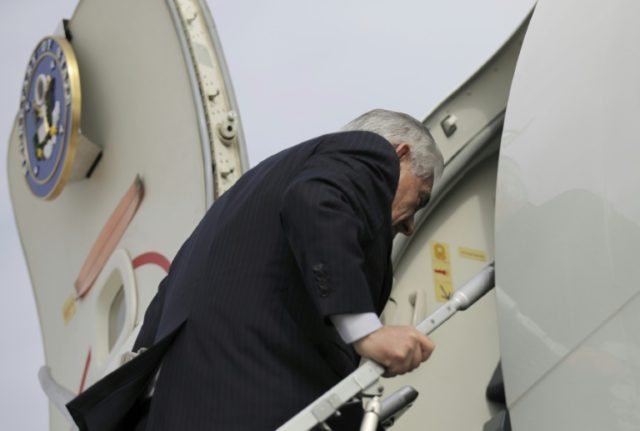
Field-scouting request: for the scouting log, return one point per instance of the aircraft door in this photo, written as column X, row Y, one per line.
column 146, row 85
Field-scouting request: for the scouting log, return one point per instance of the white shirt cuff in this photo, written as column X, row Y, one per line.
column 353, row 326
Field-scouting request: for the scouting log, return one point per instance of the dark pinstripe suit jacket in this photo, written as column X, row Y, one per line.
column 304, row 235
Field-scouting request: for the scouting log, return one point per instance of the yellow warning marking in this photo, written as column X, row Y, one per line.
column 69, row 309
column 473, row 254
column 441, row 252
column 441, row 271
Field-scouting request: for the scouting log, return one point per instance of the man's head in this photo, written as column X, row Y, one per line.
column 421, row 163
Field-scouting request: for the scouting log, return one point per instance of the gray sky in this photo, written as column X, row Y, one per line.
column 299, row 69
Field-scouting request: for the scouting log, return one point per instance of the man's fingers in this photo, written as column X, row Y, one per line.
column 417, row 358
column 389, row 373
column 414, row 355
column 426, row 346
column 410, row 359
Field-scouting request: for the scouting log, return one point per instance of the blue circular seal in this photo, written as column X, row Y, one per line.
column 49, row 117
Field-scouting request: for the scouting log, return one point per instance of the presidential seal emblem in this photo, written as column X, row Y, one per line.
column 49, row 117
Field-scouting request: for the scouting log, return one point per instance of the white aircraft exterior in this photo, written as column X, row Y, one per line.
column 541, row 177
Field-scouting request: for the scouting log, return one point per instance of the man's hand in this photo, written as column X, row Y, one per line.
column 399, row 349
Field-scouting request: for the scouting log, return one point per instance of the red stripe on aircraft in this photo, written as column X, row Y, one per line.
column 84, row 373
column 151, row 258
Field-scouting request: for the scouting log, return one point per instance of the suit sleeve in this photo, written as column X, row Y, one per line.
column 330, row 211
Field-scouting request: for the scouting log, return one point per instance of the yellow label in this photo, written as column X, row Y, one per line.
column 444, row 290
column 69, row 309
column 441, row 266
column 470, row 253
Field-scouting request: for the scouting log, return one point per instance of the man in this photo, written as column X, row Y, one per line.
column 276, row 293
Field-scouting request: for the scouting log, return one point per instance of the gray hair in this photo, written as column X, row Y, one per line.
column 399, row 128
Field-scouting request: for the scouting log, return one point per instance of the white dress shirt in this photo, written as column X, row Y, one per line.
column 353, row 326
